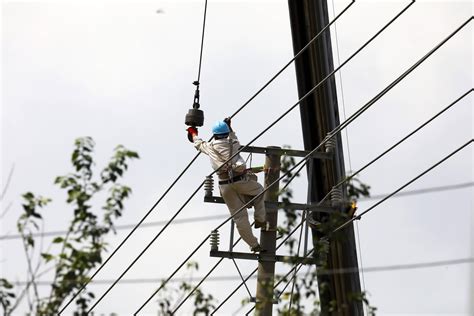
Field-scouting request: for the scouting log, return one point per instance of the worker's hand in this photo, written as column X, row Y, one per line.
column 192, row 131
column 227, row 120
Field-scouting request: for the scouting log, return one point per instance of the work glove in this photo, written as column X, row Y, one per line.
column 227, row 120
column 191, row 132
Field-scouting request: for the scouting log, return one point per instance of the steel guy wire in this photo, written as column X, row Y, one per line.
column 442, row 188
column 202, row 280
column 241, row 277
column 220, row 260
column 295, row 268
column 285, row 113
column 198, row 154
column 297, row 254
column 349, row 120
column 202, row 41
column 403, row 186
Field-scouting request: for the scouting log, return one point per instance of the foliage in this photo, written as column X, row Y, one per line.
column 73, row 255
column 6, row 295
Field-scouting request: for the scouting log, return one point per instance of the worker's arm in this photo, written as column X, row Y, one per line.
column 232, row 134
column 193, row 137
column 201, row 145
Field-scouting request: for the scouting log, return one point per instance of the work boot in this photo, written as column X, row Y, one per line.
column 256, row 248
column 263, row 225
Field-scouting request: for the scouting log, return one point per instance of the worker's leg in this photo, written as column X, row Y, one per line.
column 253, row 188
column 241, row 219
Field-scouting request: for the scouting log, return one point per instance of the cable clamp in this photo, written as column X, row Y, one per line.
column 196, row 104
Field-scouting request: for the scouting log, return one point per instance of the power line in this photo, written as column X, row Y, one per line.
column 225, row 278
column 393, row 267
column 126, row 226
column 253, row 272
column 197, row 155
column 405, row 185
column 416, row 130
column 370, row 103
column 337, row 130
column 423, row 191
column 216, row 217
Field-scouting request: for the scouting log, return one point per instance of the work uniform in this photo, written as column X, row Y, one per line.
column 236, row 186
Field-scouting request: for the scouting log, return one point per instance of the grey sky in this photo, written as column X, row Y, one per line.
column 122, row 73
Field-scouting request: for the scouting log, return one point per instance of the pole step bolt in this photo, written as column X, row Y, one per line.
column 330, row 144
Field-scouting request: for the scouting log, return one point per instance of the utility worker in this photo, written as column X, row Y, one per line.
column 236, row 186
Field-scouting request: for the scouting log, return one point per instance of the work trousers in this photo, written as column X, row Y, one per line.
column 236, row 195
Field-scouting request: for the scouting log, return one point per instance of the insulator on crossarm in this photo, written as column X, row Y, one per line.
column 336, row 196
column 214, row 240
column 208, row 186
column 330, row 144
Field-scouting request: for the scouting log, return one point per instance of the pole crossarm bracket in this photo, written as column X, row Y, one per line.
column 286, row 152
column 282, row 205
column 262, row 257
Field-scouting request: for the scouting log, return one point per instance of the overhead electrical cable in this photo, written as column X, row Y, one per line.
column 330, row 135
column 337, row 130
column 265, row 130
column 354, row 116
column 306, row 157
column 356, row 269
column 420, row 127
column 394, row 146
column 424, row 191
column 297, row 254
column 198, row 154
column 225, row 278
column 404, row 186
column 295, row 268
column 255, row 270
column 414, row 266
column 220, row 260
column 196, row 219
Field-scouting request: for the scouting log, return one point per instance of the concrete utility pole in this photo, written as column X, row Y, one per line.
column 266, row 269
column 319, row 115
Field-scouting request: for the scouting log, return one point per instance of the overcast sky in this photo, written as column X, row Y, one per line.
column 122, row 73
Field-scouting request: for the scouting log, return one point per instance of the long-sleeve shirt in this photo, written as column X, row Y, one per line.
column 220, row 150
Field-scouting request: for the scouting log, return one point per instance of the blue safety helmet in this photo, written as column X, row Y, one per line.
column 220, row 128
